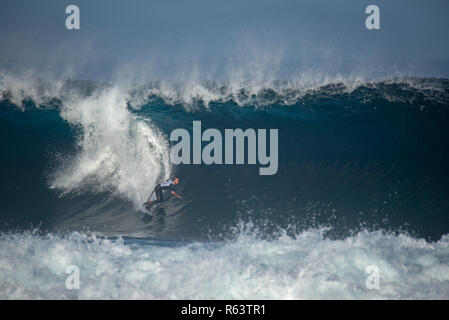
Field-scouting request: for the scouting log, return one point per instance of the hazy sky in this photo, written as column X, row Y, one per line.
column 170, row 37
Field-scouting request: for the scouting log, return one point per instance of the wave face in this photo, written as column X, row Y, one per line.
column 352, row 155
column 363, row 179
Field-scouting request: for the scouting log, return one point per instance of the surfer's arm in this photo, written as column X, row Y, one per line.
column 176, row 195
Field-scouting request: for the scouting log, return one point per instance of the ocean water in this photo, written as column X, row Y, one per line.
column 363, row 180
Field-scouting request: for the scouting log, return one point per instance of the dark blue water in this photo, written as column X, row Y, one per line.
column 371, row 157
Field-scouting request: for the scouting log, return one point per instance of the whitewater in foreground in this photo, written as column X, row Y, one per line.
column 305, row 267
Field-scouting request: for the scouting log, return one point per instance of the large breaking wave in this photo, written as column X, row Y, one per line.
column 363, row 180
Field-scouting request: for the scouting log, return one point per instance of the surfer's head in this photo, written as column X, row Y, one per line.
column 175, row 180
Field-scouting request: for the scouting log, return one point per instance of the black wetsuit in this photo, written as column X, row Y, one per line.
column 167, row 185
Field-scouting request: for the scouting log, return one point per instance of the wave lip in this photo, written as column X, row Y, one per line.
column 308, row 266
column 195, row 92
column 291, row 92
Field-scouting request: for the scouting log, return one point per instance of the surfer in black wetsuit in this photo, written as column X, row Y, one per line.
column 169, row 184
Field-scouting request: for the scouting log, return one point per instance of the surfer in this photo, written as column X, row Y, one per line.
column 169, row 184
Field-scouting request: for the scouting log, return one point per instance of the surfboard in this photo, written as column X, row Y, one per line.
column 149, row 206
column 153, row 209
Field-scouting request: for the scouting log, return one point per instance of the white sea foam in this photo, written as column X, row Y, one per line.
column 307, row 267
column 119, row 150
